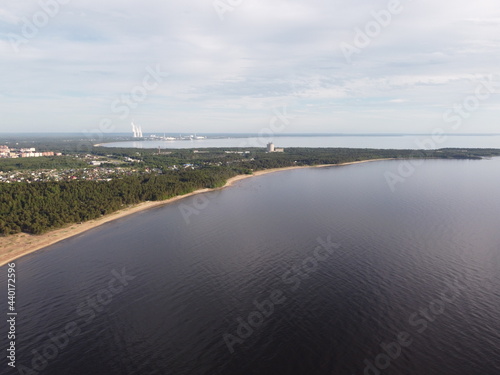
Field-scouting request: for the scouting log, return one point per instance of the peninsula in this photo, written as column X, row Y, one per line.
column 77, row 192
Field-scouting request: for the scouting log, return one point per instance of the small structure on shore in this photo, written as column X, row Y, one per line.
column 272, row 148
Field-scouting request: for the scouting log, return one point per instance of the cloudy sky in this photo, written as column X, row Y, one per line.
column 352, row 66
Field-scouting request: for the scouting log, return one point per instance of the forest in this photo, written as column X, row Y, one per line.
column 48, row 162
column 38, row 207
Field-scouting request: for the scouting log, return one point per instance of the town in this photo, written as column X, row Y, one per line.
column 92, row 167
column 11, row 153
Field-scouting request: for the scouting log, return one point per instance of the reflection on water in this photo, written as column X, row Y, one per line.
column 312, row 271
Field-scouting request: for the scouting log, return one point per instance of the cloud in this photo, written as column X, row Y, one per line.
column 8, row 17
column 229, row 74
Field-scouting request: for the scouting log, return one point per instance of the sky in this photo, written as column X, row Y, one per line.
column 211, row 66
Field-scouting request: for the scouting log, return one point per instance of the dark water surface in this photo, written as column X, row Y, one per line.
column 191, row 272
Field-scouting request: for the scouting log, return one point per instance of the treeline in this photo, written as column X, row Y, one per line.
column 46, row 162
column 66, row 143
column 38, row 207
column 315, row 156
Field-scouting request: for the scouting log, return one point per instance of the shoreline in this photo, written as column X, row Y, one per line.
column 18, row 245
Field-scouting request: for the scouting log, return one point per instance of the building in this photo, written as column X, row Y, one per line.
column 28, row 150
column 271, row 148
column 4, row 151
column 31, row 154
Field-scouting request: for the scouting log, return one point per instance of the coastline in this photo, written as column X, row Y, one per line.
column 18, row 245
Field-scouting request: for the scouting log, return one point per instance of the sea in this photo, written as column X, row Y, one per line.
column 365, row 269
column 393, row 141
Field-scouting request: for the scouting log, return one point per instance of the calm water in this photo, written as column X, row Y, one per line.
column 198, row 266
column 386, row 142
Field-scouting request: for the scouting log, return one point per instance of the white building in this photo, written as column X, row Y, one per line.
column 4, row 151
column 271, row 148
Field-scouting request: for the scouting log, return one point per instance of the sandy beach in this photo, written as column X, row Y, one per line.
column 21, row 244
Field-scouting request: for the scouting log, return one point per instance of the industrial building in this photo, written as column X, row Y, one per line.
column 272, row 148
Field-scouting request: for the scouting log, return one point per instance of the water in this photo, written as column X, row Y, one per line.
column 385, row 142
column 198, row 266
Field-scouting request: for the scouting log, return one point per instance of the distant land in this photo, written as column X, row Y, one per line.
column 238, row 135
column 90, row 184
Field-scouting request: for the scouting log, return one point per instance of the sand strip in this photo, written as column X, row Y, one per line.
column 17, row 245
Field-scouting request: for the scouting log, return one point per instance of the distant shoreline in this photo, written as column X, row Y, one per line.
column 18, row 245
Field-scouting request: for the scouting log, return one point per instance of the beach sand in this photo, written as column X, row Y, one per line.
column 21, row 244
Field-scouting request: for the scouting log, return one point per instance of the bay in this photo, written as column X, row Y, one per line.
column 367, row 141
column 193, row 270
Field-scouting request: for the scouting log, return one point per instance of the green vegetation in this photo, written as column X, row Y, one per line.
column 48, row 162
column 38, row 207
column 41, row 206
